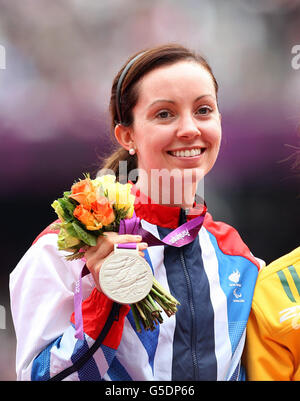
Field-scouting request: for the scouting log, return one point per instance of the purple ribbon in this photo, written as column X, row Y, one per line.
column 179, row 237
column 78, row 303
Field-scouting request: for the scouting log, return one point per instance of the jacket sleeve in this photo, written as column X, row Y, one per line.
column 267, row 357
column 273, row 331
column 42, row 290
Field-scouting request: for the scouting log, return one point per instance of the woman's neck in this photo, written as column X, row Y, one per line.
column 169, row 192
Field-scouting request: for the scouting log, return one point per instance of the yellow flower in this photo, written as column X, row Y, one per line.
column 120, row 195
column 106, row 180
column 117, row 194
column 103, row 183
column 126, row 199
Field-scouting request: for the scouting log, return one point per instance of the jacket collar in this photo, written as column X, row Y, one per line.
column 161, row 215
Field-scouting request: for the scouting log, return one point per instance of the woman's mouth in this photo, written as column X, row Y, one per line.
column 192, row 152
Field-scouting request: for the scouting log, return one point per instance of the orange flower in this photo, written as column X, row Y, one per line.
column 83, row 192
column 103, row 211
column 87, row 218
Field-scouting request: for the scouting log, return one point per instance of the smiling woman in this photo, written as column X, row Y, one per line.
column 166, row 120
column 166, row 126
column 175, row 126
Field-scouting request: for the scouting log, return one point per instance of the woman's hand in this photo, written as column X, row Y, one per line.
column 95, row 255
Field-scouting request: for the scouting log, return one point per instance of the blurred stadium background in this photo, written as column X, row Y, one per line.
column 61, row 57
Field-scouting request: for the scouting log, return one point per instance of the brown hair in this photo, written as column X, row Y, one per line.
column 147, row 61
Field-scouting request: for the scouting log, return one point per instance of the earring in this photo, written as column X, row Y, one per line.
column 131, row 151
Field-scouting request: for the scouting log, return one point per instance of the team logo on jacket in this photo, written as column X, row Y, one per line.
column 292, row 314
column 234, row 279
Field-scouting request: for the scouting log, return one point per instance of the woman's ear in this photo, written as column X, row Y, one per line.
column 124, row 136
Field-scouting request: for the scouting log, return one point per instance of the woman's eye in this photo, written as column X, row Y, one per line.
column 163, row 114
column 204, row 110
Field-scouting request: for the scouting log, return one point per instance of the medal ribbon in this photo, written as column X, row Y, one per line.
column 179, row 237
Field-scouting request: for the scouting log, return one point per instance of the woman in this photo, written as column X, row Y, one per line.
column 165, row 117
column 272, row 351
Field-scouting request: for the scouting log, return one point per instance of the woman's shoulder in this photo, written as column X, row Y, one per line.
column 44, row 247
column 287, row 260
column 277, row 292
column 283, row 269
column 44, row 259
column 228, row 240
column 50, row 229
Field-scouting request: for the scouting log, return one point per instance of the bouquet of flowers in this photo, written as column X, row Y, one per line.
column 85, row 212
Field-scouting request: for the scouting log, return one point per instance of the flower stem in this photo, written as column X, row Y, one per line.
column 148, row 311
column 135, row 314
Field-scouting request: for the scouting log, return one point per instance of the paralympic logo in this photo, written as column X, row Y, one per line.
column 2, row 318
column 2, row 58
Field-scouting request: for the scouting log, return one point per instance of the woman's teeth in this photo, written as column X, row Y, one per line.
column 186, row 153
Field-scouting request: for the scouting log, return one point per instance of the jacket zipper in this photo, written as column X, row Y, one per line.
column 192, row 308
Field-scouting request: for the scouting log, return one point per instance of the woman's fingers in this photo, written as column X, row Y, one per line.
column 95, row 255
column 120, row 239
column 106, row 242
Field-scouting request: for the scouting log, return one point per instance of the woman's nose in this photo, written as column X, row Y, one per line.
column 187, row 127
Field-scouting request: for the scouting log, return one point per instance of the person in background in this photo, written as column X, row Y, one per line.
column 272, row 349
column 165, row 117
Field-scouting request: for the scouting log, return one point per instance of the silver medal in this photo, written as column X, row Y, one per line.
column 125, row 276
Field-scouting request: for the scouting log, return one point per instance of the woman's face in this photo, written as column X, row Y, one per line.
column 176, row 119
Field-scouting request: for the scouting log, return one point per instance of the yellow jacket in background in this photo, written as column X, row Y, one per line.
column 273, row 333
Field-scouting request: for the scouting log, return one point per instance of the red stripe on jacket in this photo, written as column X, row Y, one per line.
column 228, row 239
column 95, row 311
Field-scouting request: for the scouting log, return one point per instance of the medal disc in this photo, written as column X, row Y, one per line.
column 125, row 277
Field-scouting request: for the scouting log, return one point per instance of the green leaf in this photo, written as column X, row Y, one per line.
column 59, row 210
column 70, row 229
column 67, row 207
column 66, row 242
column 85, row 236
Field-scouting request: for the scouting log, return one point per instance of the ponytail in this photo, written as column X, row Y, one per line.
column 112, row 164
